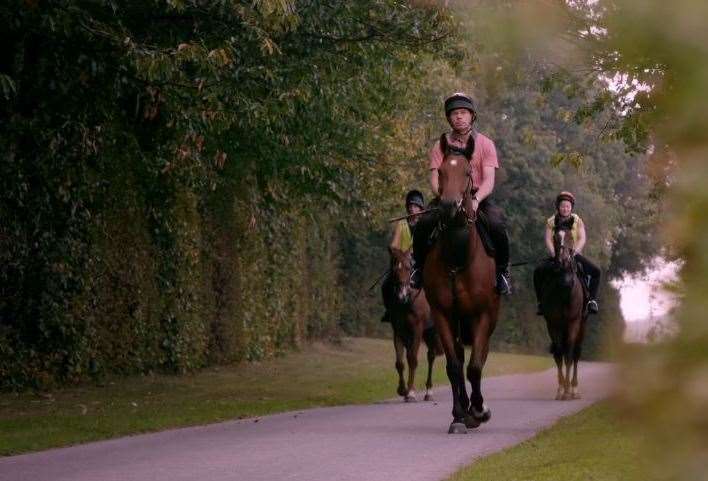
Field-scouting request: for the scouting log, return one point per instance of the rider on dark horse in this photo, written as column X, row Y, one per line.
column 402, row 240
column 482, row 156
column 566, row 219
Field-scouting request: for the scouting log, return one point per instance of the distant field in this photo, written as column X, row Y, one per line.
column 592, row 445
column 357, row 371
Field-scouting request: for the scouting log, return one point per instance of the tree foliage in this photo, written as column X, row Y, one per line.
column 189, row 182
column 171, row 170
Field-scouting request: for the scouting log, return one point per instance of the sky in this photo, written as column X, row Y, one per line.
column 643, row 297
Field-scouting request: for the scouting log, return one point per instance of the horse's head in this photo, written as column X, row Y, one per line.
column 401, row 267
column 565, row 255
column 455, row 180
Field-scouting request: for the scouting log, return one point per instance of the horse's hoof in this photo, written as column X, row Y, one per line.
column 559, row 396
column 482, row 416
column 472, row 422
column 567, row 396
column 428, row 397
column 402, row 391
column 410, row 398
column 576, row 395
column 457, row 428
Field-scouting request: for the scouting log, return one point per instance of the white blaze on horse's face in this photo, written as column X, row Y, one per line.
column 453, row 177
column 404, row 292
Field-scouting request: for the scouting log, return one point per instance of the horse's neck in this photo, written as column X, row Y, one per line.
column 475, row 247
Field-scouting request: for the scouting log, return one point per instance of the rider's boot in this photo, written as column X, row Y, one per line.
column 539, row 309
column 593, row 308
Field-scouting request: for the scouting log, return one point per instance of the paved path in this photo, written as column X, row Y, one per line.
column 388, row 441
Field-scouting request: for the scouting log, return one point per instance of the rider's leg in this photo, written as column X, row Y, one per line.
column 593, row 271
column 388, row 293
column 418, row 257
column 496, row 223
column 422, row 231
column 538, row 273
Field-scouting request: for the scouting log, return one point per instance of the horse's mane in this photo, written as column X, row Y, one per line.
column 448, row 149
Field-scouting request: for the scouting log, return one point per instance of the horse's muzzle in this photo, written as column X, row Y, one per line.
column 404, row 294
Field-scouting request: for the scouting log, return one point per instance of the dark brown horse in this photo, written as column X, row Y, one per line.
column 563, row 301
column 410, row 319
column 459, row 279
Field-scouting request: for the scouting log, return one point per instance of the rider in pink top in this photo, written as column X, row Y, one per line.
column 482, row 154
column 485, row 154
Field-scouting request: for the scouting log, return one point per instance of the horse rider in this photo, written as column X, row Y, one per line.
column 565, row 218
column 461, row 115
column 402, row 234
column 402, row 240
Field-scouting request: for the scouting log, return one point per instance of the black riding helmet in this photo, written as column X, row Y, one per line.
column 459, row 100
column 415, row 197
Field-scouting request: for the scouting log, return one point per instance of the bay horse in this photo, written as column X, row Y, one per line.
column 409, row 313
column 459, row 278
column 564, row 307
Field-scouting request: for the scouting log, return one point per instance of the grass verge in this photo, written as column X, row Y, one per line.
column 357, row 371
column 591, row 445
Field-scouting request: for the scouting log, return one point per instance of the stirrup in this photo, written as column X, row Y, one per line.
column 503, row 284
column 593, row 308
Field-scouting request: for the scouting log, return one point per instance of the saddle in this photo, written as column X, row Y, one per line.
column 455, row 249
column 456, row 242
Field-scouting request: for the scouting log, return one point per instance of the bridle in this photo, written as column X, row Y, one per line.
column 560, row 248
column 460, row 205
column 400, row 284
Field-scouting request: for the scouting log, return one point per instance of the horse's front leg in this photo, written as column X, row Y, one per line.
column 429, row 381
column 566, row 385
column 571, row 360
column 576, row 358
column 557, row 352
column 561, row 380
column 398, row 346
column 412, row 357
column 464, row 398
column 574, row 392
column 454, row 369
column 480, row 351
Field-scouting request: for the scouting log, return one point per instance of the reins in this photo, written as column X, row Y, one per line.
column 431, row 209
column 380, row 278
